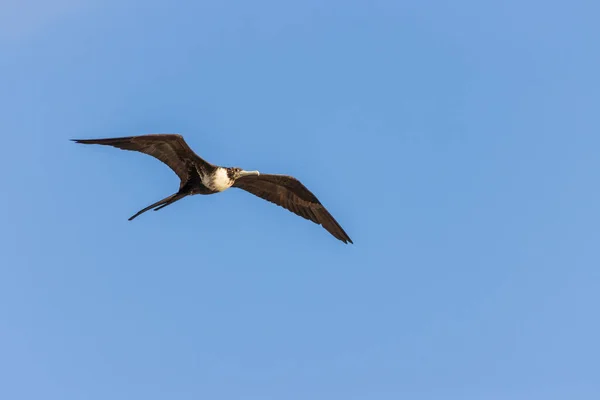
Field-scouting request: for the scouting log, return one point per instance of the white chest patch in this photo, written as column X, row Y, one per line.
column 219, row 181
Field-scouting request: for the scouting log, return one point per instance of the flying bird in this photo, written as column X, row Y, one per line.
column 201, row 177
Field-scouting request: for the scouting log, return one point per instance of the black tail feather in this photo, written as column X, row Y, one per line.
column 161, row 203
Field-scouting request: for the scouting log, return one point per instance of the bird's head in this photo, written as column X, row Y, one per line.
column 234, row 173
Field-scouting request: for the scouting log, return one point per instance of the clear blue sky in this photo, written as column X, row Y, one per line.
column 458, row 143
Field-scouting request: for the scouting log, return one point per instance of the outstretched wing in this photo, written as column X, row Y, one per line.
column 171, row 149
column 288, row 192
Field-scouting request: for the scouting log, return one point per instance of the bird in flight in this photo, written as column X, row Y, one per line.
column 201, row 177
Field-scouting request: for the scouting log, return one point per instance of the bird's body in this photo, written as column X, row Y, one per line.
column 198, row 176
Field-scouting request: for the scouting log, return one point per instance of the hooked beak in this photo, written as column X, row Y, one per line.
column 247, row 173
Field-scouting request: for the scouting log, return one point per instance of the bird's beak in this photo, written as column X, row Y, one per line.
column 246, row 173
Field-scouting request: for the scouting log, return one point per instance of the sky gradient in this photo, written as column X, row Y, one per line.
column 457, row 143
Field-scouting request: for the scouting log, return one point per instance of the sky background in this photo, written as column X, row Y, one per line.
column 458, row 144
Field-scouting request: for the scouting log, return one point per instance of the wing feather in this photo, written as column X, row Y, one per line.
column 171, row 149
column 289, row 193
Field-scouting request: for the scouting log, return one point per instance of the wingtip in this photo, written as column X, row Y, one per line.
column 85, row 141
column 344, row 239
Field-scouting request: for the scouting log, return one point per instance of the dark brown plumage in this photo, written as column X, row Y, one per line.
column 198, row 176
column 169, row 148
column 289, row 193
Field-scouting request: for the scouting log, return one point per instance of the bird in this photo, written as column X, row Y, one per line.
column 198, row 176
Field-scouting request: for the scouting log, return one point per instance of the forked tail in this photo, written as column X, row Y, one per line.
column 161, row 203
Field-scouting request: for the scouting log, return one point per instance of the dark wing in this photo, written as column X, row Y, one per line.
column 171, row 149
column 288, row 192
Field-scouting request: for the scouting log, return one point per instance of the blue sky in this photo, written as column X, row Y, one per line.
column 456, row 143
